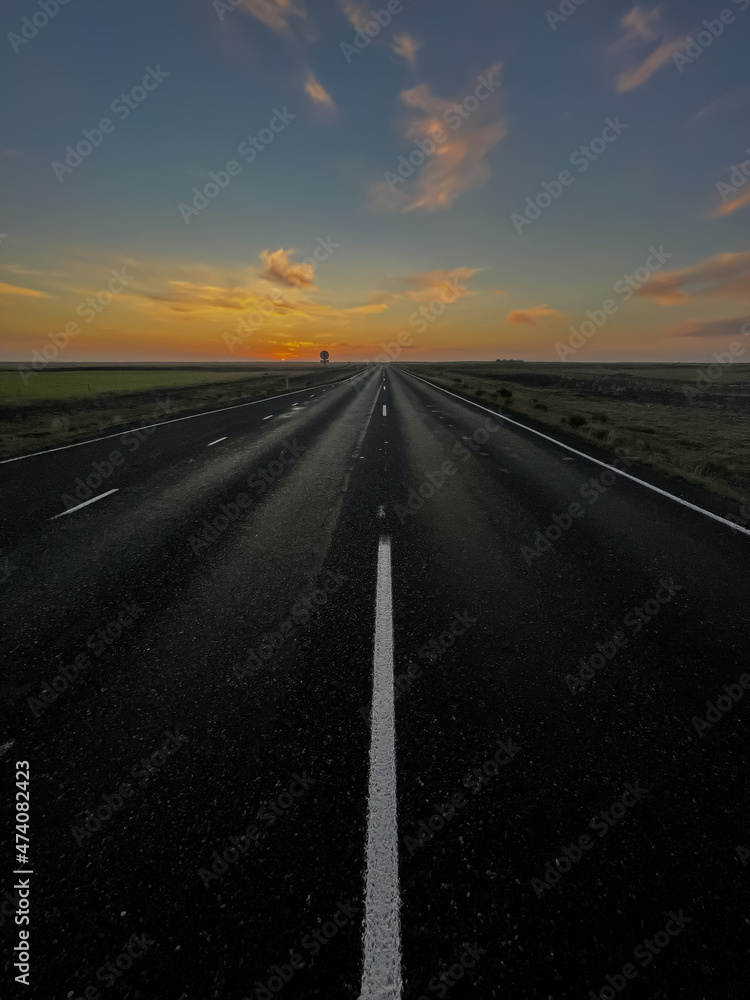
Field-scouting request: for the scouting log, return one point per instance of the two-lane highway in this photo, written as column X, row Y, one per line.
column 365, row 691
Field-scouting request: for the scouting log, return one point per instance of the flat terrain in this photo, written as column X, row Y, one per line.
column 200, row 642
column 60, row 405
column 677, row 419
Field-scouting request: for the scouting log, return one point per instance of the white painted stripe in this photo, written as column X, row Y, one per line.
column 381, row 975
column 383, row 386
column 269, row 416
column 159, row 423
column 217, row 441
column 84, row 504
column 590, row 458
column 384, row 410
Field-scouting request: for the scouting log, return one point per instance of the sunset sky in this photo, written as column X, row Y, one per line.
column 499, row 94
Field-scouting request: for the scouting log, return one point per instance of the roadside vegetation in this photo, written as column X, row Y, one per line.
column 64, row 405
column 670, row 417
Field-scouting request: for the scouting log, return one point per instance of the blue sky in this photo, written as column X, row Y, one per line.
column 324, row 177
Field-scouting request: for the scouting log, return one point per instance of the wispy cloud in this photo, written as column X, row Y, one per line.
column 31, row 293
column 406, row 47
column 728, row 104
column 281, row 271
column 534, row 316
column 355, row 11
column 730, row 207
column 317, row 92
column 426, row 285
column 641, row 30
column 275, row 14
column 726, row 275
column 719, row 329
column 458, row 163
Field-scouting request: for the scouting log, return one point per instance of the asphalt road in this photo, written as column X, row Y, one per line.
column 189, row 672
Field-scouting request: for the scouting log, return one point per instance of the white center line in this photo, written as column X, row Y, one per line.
column 217, row 441
column 381, row 975
column 384, row 411
column 84, row 504
column 269, row 416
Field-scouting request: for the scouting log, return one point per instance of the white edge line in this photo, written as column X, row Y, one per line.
column 381, row 973
column 84, row 504
column 173, row 420
column 590, row 458
column 269, row 416
column 217, row 441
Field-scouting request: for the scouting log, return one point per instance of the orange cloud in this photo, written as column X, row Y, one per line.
column 426, row 285
column 317, row 92
column 281, row 271
column 406, row 47
column 533, row 316
column 275, row 14
column 458, row 162
column 730, row 207
column 641, row 29
column 726, row 275
column 355, row 11
column 721, row 329
column 31, row 293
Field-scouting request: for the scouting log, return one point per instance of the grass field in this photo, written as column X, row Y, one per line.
column 670, row 417
column 81, row 384
column 62, row 406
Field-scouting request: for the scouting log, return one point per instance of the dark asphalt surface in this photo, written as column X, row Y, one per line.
column 218, row 637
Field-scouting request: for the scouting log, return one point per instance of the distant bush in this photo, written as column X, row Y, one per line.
column 479, row 392
column 601, row 418
column 541, row 406
column 578, row 420
column 506, row 393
